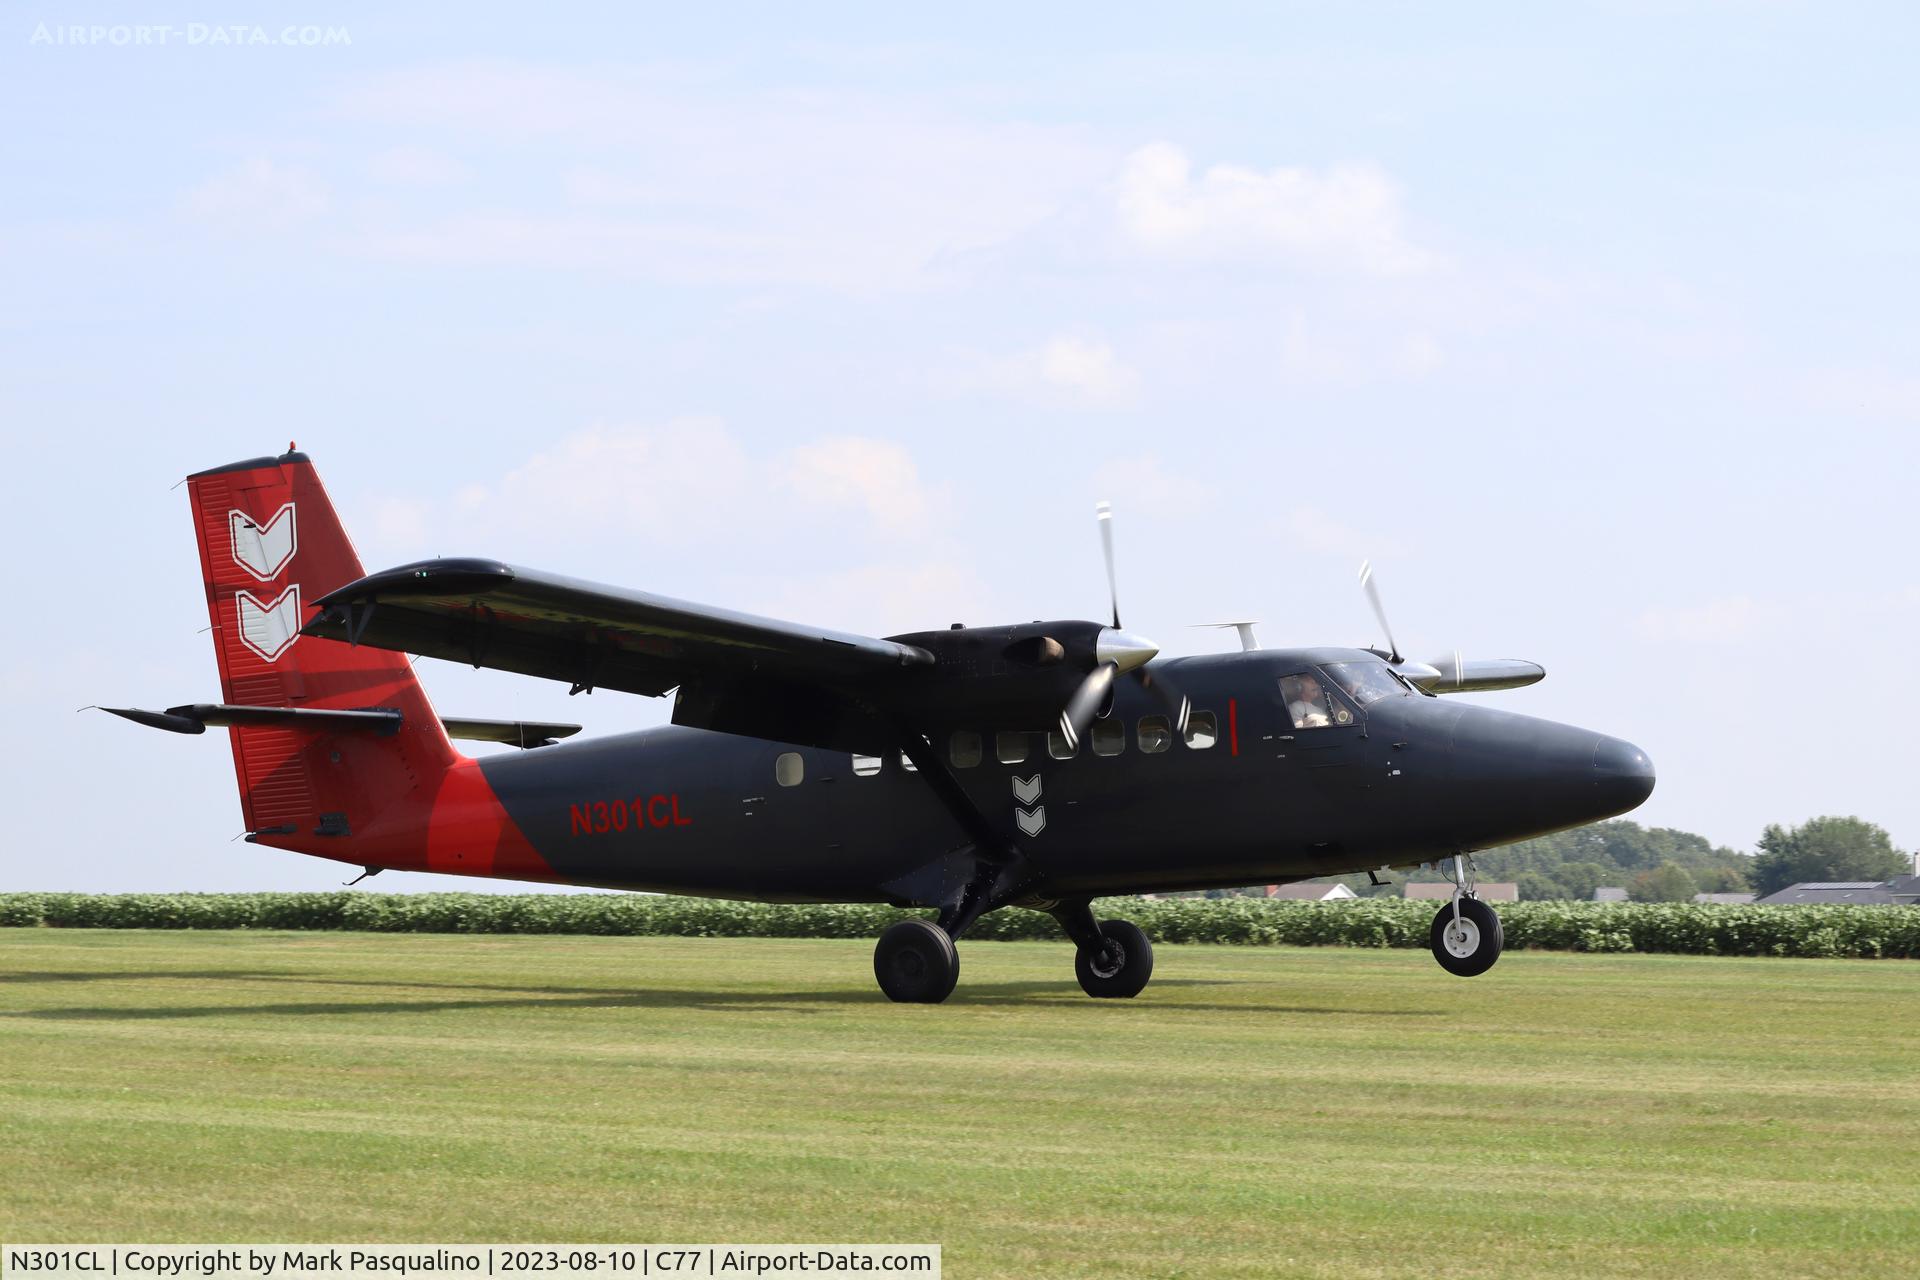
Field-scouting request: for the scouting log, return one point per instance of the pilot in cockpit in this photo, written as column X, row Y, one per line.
column 1308, row 706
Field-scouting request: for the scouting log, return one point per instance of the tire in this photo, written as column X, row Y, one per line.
column 1119, row 970
column 1474, row 952
column 915, row 963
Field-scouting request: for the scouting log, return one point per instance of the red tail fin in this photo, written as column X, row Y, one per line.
column 270, row 544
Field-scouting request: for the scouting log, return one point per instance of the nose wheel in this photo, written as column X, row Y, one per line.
column 1118, row 966
column 1466, row 937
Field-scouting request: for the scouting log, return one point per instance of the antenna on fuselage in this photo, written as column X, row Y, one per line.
column 1249, row 643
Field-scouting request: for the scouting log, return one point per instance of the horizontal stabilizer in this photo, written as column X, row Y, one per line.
column 514, row 733
column 195, row 717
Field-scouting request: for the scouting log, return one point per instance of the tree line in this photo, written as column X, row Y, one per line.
column 1662, row 864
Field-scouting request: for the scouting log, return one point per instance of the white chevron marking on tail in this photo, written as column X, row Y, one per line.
column 263, row 550
column 269, row 629
column 1031, row 821
column 1026, row 790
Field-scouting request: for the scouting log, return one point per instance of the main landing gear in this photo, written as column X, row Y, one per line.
column 1466, row 936
column 916, row 963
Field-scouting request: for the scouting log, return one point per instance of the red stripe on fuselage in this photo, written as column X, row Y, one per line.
column 457, row 827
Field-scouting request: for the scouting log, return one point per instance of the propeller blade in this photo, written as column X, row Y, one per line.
column 1105, row 511
column 1085, row 704
column 1379, row 610
column 1179, row 708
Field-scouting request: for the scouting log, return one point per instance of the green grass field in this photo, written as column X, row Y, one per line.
column 1256, row 1112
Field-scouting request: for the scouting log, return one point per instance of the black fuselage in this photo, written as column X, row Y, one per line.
column 1411, row 778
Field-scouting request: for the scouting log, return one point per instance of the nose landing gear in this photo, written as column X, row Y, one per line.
column 1113, row 958
column 1466, row 936
column 1119, row 967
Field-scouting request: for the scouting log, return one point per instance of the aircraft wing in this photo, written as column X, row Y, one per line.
column 592, row 636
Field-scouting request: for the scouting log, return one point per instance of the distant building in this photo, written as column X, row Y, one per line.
column 1304, row 892
column 1725, row 899
column 1489, row 891
column 1609, row 893
column 1899, row 891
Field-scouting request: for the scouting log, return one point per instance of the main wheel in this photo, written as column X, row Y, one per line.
column 1467, row 948
column 916, row 963
column 1120, row 966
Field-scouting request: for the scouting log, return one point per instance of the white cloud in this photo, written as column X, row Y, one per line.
column 1089, row 370
column 1064, row 371
column 1145, row 481
column 1314, row 529
column 652, row 173
column 679, row 484
column 885, row 599
column 1879, row 393
column 259, row 195
column 1348, row 217
column 664, row 482
column 1419, row 354
column 875, row 475
column 415, row 166
column 1716, row 621
column 1346, row 353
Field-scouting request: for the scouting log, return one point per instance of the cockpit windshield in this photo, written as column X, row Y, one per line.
column 1311, row 705
column 1365, row 682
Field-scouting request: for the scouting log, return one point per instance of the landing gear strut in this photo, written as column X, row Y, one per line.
column 1113, row 958
column 1466, row 936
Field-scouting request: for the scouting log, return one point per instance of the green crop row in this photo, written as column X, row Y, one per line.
column 1686, row 928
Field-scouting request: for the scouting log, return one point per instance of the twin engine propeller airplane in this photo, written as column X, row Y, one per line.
column 1037, row 765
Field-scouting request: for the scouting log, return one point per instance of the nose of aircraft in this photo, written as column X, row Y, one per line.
column 1513, row 776
column 1622, row 774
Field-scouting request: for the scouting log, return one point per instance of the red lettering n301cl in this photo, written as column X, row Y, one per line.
column 599, row 817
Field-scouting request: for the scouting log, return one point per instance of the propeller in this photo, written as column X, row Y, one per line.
column 1117, row 651
column 1085, row 703
column 1451, row 673
column 1103, row 511
column 1379, row 610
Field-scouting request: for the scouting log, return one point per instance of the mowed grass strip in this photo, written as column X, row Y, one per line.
column 1257, row 1112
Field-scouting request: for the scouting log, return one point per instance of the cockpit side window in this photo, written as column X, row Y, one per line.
column 1366, row 682
column 1310, row 703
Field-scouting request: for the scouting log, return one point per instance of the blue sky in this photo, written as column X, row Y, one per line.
column 1594, row 329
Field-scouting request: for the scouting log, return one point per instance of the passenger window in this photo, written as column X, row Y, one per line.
column 1202, row 730
column 865, row 766
column 1310, row 705
column 964, row 749
column 789, row 769
column 1059, row 748
column 1109, row 736
column 1156, row 734
column 1010, row 748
